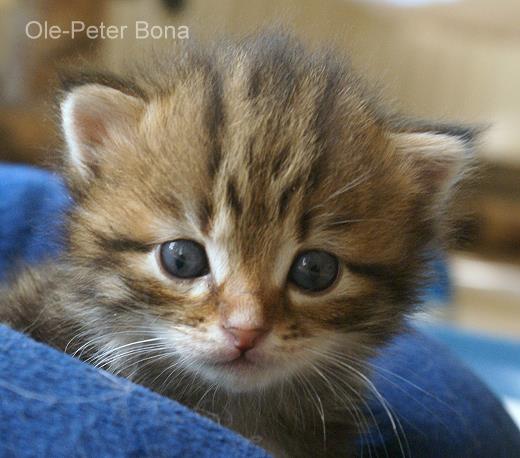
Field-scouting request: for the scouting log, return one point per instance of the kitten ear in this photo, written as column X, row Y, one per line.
column 91, row 115
column 439, row 157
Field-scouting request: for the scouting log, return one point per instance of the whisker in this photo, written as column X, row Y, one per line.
column 358, row 413
column 397, row 427
column 316, row 401
column 382, row 370
column 108, row 358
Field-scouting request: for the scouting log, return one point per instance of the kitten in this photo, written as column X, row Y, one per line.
column 248, row 228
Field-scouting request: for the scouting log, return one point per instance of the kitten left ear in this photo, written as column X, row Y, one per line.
column 91, row 115
column 438, row 159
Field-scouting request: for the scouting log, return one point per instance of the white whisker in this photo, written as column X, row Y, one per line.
column 394, row 421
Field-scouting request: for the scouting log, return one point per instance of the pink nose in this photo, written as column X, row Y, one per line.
column 245, row 339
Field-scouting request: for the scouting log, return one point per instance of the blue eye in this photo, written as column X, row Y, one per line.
column 184, row 259
column 314, row 270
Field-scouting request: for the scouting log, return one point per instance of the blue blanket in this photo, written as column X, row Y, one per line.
column 53, row 405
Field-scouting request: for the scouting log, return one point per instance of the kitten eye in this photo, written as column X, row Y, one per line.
column 314, row 270
column 184, row 259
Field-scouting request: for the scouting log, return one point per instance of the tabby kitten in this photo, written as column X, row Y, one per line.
column 249, row 227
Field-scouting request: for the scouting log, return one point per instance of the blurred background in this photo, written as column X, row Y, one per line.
column 451, row 60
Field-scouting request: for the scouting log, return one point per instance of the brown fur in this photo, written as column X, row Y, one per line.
column 294, row 148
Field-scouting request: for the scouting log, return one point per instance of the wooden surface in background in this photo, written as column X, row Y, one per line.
column 29, row 79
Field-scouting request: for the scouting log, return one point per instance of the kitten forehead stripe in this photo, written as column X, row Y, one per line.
column 205, row 213
column 233, row 198
column 215, row 120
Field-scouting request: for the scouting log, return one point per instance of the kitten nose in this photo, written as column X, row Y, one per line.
column 245, row 339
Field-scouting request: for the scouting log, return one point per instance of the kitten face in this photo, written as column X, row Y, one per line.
column 259, row 155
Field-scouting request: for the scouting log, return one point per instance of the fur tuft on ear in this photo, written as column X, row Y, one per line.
column 92, row 115
column 439, row 157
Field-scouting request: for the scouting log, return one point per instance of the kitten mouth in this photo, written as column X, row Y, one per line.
column 240, row 362
column 244, row 373
column 244, row 359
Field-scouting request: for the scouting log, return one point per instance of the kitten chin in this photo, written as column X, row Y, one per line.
column 249, row 227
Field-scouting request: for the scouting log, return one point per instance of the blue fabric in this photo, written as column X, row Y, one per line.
column 442, row 408
column 439, row 291
column 495, row 361
column 53, row 405
column 31, row 201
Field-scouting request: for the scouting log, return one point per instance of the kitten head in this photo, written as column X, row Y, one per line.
column 251, row 210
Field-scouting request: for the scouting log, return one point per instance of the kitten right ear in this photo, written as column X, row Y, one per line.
column 92, row 115
column 440, row 155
